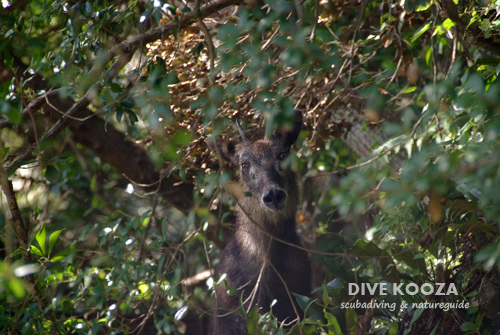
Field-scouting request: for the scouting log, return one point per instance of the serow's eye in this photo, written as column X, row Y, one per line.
column 245, row 166
column 282, row 156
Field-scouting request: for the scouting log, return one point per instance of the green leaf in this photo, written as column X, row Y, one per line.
column 421, row 31
column 325, row 295
column 5, row 151
column 116, row 28
column 332, row 321
column 253, row 321
column 485, row 25
column 61, row 254
column 119, row 114
column 41, row 237
column 35, row 251
column 428, row 56
column 351, row 319
column 51, row 173
column 303, row 301
column 424, row 7
column 444, row 27
column 410, row 89
column 468, row 326
column 309, row 330
column 414, row 4
column 307, row 305
column 52, row 240
column 132, row 117
column 448, row 24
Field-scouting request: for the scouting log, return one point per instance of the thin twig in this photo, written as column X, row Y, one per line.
column 208, row 41
column 33, row 105
column 352, row 167
column 51, row 133
column 358, row 25
column 64, row 114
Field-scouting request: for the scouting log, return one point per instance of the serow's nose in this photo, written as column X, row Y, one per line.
column 274, row 198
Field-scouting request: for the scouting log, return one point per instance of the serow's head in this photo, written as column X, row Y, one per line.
column 262, row 171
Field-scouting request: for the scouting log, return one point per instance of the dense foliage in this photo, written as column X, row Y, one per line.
column 113, row 213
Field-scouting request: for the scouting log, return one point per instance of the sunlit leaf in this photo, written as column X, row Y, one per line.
column 34, row 250
column 52, row 240
column 41, row 237
column 421, row 31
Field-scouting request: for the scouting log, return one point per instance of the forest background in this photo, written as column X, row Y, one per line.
column 113, row 214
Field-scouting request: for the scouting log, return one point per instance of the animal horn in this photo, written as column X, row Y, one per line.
column 243, row 135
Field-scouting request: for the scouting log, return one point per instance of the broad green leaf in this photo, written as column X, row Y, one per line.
column 34, row 250
column 424, row 7
column 132, row 117
column 41, row 237
column 448, row 24
column 332, row 321
column 61, row 254
column 485, row 24
column 351, row 318
column 52, row 240
column 51, row 173
column 253, row 321
column 305, row 303
column 444, row 27
column 468, row 326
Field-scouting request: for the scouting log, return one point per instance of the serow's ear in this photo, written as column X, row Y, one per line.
column 288, row 137
column 224, row 149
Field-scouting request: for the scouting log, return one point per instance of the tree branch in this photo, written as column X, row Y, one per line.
column 21, row 232
column 108, row 143
column 52, row 132
column 127, row 48
column 462, row 20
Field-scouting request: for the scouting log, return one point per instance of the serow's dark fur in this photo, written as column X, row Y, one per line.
column 261, row 260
